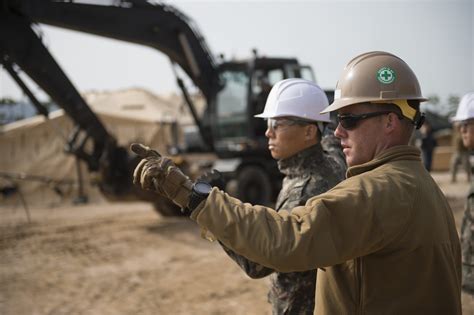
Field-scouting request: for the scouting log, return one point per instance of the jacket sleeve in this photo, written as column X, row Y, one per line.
column 353, row 219
column 252, row 269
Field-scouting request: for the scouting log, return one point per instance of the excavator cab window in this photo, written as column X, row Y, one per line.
column 243, row 94
column 263, row 80
column 262, row 83
column 299, row 71
column 231, row 107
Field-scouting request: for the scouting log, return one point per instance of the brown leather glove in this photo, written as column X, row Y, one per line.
column 158, row 173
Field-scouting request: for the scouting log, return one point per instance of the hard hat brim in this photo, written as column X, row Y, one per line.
column 340, row 103
column 465, row 109
column 267, row 116
column 460, row 118
column 263, row 115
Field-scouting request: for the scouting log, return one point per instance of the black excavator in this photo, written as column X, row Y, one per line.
column 234, row 90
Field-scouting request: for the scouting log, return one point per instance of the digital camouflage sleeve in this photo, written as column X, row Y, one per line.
column 467, row 243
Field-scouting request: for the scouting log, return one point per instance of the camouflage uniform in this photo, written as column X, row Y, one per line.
column 467, row 243
column 460, row 156
column 307, row 174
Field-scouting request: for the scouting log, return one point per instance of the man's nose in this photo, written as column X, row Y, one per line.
column 340, row 132
column 269, row 133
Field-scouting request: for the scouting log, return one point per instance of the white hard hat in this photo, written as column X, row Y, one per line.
column 296, row 98
column 466, row 108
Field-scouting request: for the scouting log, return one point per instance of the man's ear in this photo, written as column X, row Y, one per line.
column 391, row 122
column 311, row 132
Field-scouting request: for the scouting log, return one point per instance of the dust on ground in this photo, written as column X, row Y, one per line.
column 125, row 259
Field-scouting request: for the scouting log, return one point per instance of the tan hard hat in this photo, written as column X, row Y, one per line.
column 377, row 77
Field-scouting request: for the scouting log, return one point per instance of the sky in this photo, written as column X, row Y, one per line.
column 436, row 38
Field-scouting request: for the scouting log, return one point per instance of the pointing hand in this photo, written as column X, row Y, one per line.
column 158, row 173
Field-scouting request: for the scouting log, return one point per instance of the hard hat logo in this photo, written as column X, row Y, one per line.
column 386, row 75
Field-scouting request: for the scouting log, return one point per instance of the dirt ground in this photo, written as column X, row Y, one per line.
column 125, row 259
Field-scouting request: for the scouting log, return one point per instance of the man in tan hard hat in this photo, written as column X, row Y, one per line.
column 464, row 120
column 385, row 237
column 295, row 138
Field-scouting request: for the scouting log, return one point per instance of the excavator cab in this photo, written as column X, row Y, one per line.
column 245, row 86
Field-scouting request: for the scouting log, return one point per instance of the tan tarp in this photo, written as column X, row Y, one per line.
column 35, row 146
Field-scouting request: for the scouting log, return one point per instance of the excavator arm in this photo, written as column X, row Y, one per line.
column 21, row 46
column 155, row 25
column 158, row 26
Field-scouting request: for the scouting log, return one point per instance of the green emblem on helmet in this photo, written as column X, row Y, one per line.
column 386, row 75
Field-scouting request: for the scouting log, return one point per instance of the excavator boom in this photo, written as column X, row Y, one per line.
column 21, row 46
column 155, row 25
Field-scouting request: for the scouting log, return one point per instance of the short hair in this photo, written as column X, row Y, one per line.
column 305, row 122
column 319, row 132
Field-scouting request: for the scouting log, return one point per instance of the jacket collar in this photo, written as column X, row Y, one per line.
column 397, row 153
column 296, row 164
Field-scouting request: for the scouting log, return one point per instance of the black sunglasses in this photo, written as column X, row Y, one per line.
column 349, row 121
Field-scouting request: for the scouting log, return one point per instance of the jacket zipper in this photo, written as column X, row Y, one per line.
column 359, row 273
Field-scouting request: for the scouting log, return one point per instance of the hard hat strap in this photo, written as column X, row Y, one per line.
column 417, row 117
column 419, row 120
column 407, row 111
column 321, row 126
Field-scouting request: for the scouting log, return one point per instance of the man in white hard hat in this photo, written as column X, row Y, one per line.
column 385, row 236
column 294, row 132
column 464, row 120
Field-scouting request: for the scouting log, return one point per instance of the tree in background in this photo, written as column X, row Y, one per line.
column 7, row 101
column 12, row 110
column 6, row 105
column 433, row 99
column 442, row 108
column 453, row 102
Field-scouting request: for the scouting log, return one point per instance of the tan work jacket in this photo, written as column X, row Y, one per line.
column 385, row 237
